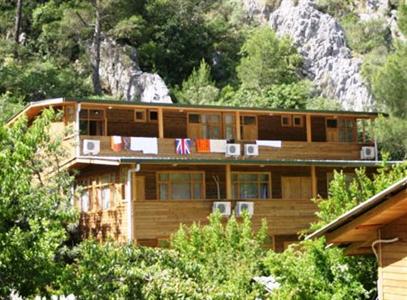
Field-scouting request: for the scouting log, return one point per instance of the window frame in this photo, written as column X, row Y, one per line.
column 301, row 118
column 243, row 126
column 288, row 118
column 149, row 116
column 140, row 110
column 269, row 184
column 191, row 183
column 207, row 125
column 102, row 119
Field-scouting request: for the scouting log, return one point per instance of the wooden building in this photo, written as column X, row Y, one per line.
column 377, row 226
column 146, row 168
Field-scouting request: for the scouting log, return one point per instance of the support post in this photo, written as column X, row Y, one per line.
column 308, row 125
column 237, row 124
column 228, row 182
column 160, row 123
column 314, row 186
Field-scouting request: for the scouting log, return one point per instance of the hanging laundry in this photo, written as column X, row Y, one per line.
column 116, row 143
column 183, row 146
column 217, row 146
column 271, row 143
column 126, row 142
column 202, row 145
column 145, row 144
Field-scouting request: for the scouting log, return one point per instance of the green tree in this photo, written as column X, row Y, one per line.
column 34, row 207
column 198, row 88
column 402, row 17
column 267, row 60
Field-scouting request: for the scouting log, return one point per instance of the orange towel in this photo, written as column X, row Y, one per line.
column 116, row 143
column 202, row 145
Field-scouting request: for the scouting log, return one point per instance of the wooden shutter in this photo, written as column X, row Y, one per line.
column 296, row 188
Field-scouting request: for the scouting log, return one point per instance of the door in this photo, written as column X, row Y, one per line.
column 331, row 130
column 138, row 193
column 248, row 126
column 296, row 188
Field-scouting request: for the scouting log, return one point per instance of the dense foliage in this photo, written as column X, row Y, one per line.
column 34, row 208
column 205, row 262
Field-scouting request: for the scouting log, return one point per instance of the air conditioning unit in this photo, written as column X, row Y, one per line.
column 367, row 153
column 223, row 207
column 251, row 150
column 91, row 147
column 232, row 149
column 244, row 206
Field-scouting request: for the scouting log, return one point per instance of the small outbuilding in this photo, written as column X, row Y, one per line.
column 377, row 226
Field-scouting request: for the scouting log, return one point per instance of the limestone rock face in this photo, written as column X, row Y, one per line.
column 327, row 60
column 121, row 75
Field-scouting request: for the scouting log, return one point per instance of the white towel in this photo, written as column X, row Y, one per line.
column 276, row 144
column 116, row 139
column 145, row 144
column 217, row 146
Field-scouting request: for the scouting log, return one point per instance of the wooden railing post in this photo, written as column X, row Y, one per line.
column 160, row 123
column 314, row 185
column 308, row 125
column 228, row 182
column 237, row 125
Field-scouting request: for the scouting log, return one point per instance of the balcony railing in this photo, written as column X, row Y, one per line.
column 289, row 150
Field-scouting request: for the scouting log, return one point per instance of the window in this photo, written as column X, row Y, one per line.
column 331, row 123
column 286, row 121
column 180, row 185
column 140, row 115
column 251, row 185
column 92, row 122
column 103, row 192
column 229, row 126
column 346, row 130
column 248, row 128
column 298, row 121
column 204, row 126
column 152, row 116
column 84, row 201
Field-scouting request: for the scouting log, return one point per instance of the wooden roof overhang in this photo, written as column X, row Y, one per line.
column 358, row 228
column 34, row 108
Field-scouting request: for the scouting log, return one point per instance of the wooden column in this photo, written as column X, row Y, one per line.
column 160, row 123
column 314, row 186
column 228, row 182
column 308, row 125
column 237, row 124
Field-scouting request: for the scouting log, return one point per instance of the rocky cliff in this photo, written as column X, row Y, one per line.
column 122, row 77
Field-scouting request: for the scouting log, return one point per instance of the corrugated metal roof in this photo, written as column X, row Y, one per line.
column 186, row 106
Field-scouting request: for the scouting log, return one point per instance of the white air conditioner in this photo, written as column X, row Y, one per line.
column 367, row 153
column 232, row 149
column 91, row 147
column 251, row 150
column 223, row 207
column 244, row 206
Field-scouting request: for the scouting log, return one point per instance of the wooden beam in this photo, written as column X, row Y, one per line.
column 160, row 123
column 228, row 182
column 237, row 125
column 314, row 183
column 337, row 236
column 308, row 125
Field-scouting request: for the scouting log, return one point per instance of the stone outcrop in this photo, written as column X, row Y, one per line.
column 122, row 77
column 327, row 60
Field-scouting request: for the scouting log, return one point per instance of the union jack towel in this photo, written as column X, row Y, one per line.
column 183, row 146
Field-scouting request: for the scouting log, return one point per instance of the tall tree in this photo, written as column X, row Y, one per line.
column 17, row 27
column 34, row 208
column 95, row 57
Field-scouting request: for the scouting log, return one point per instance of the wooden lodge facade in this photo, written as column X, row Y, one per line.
column 146, row 168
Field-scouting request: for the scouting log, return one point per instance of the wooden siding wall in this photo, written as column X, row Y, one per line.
column 121, row 122
column 318, row 133
column 270, row 128
column 109, row 223
column 175, row 124
column 393, row 261
column 159, row 219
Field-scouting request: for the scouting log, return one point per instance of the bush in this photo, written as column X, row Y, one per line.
column 364, row 36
